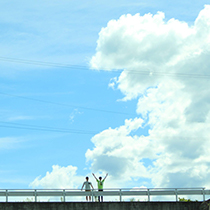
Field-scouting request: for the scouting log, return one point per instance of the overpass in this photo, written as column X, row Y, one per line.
column 119, row 194
column 124, row 199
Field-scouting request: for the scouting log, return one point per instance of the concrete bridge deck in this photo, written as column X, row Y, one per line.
column 104, row 206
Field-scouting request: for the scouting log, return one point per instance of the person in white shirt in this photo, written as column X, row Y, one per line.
column 87, row 185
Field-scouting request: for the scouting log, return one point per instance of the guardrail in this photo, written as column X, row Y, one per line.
column 64, row 193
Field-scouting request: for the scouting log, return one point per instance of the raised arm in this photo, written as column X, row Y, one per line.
column 94, row 176
column 105, row 176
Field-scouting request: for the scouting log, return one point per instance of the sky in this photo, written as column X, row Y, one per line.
column 117, row 87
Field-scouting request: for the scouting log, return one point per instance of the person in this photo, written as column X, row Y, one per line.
column 87, row 185
column 100, row 185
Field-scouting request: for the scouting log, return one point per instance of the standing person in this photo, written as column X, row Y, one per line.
column 100, row 185
column 87, row 185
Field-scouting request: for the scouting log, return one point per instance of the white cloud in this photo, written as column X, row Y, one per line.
column 166, row 66
column 120, row 154
column 59, row 178
column 162, row 64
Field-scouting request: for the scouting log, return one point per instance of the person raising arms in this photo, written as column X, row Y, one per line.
column 100, row 182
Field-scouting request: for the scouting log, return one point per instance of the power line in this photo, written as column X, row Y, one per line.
column 43, row 128
column 150, row 72
column 42, row 63
column 158, row 73
column 66, row 105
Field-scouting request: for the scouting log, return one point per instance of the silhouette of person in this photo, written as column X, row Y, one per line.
column 100, row 185
column 87, row 185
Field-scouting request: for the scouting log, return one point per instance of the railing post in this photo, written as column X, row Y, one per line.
column 204, row 194
column 35, row 195
column 120, row 195
column 148, row 193
column 92, row 195
column 6, row 195
column 64, row 195
column 176, row 195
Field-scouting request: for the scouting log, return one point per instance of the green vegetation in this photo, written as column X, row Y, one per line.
column 185, row 200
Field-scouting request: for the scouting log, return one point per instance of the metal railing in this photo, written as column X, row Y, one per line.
column 120, row 193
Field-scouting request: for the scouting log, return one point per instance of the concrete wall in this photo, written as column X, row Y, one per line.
column 103, row 206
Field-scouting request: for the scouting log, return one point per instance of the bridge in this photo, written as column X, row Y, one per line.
column 7, row 195
column 59, row 199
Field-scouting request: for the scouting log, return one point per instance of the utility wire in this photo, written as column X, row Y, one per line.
column 66, row 105
column 150, row 72
column 43, row 128
column 42, row 63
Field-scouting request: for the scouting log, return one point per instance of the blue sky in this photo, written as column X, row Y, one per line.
column 112, row 87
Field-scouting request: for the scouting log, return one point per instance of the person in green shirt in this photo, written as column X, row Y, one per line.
column 100, row 182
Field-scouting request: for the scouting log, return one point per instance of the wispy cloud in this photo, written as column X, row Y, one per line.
column 21, row 118
column 74, row 114
column 11, row 142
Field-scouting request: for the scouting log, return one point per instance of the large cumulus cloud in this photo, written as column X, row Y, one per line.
column 166, row 67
